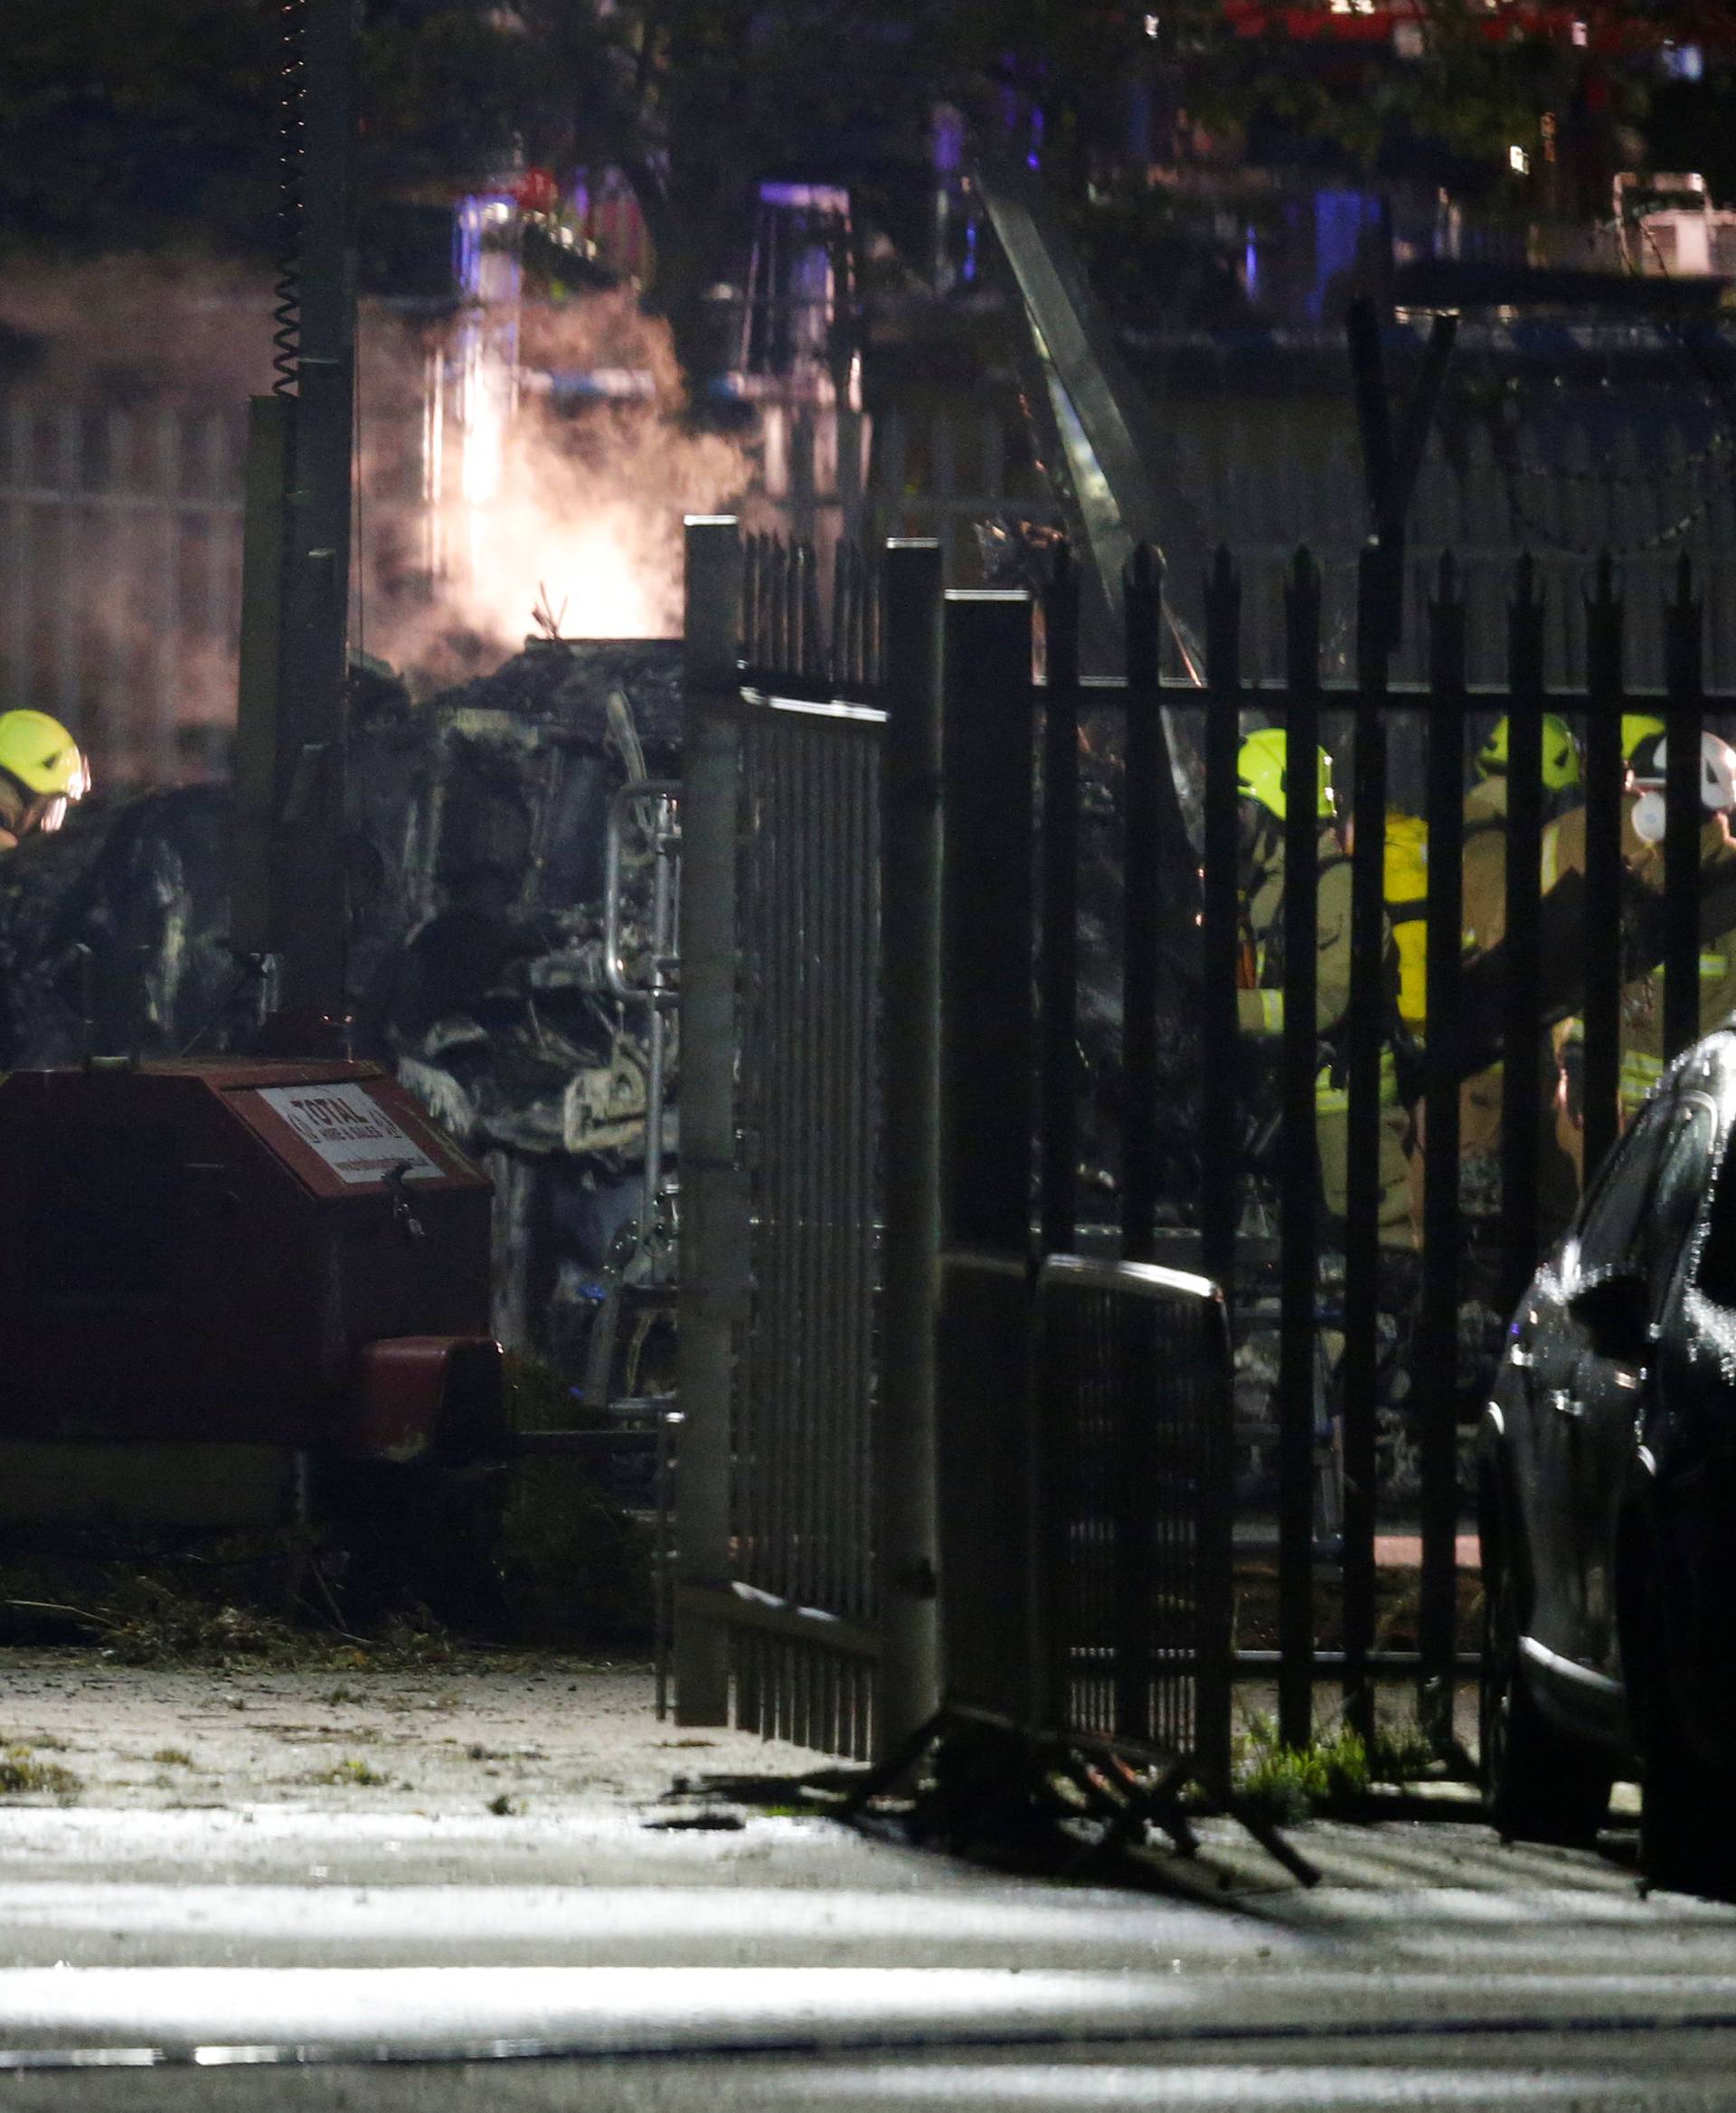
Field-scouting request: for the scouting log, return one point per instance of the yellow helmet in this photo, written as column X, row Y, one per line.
column 45, row 758
column 1560, row 752
column 1640, row 734
column 1261, row 773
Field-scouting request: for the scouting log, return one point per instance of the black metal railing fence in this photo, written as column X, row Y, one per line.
column 864, row 1387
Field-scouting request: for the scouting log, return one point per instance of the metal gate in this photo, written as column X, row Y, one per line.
column 809, row 918
column 805, row 1580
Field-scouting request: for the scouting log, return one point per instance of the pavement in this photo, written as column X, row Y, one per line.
column 542, row 1898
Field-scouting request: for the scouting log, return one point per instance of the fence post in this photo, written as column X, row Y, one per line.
column 914, row 618
column 986, row 1032
column 1604, row 774
column 713, row 1238
column 1220, row 1080
column 165, row 693
column 1059, row 1113
column 985, row 1438
column 1521, row 1100
column 1439, row 1363
column 1683, row 650
column 256, row 717
column 1367, row 1021
column 1142, row 896
column 1299, row 1228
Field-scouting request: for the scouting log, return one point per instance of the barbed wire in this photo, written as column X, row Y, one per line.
column 1553, row 545
column 1718, row 400
column 1607, row 478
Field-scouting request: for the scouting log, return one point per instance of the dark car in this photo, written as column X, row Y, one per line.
column 1607, row 1501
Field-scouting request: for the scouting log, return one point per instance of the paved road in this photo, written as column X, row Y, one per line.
column 784, row 1961
column 172, row 1943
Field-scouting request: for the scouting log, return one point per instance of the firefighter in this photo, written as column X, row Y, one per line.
column 1262, row 783
column 1642, row 1001
column 1485, row 920
column 42, row 774
column 1485, row 825
column 1564, row 853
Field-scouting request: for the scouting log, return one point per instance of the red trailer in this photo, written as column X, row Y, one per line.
column 235, row 1292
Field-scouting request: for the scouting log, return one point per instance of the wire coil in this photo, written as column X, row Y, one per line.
column 285, row 291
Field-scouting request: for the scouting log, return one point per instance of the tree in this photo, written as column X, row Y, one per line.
column 158, row 126
column 123, row 129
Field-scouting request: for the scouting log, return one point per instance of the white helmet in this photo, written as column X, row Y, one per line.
column 1717, row 786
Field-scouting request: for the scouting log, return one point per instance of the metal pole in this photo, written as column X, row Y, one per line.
column 910, row 973
column 1059, row 1179
column 1604, row 772
column 1366, row 1025
column 661, row 935
column 715, row 1230
column 1300, row 1191
column 1521, row 1100
column 309, row 905
column 1439, row 1363
column 985, row 1436
column 1219, row 1019
column 986, row 1034
column 269, row 420
column 1684, row 637
column 1142, row 897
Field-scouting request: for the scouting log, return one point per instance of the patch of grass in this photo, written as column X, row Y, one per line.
column 353, row 1772
column 22, row 1774
column 505, row 1807
column 172, row 1756
column 1401, row 1753
column 1290, row 1784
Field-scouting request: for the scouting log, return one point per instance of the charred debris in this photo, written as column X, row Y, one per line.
column 475, row 843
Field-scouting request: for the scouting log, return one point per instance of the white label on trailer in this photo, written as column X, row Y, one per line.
column 350, row 1130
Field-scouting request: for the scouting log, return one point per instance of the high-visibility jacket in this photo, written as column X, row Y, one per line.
column 1259, row 1006
column 1260, row 1009
column 1407, row 912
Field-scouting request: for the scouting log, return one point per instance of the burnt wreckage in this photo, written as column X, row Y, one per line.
column 476, row 835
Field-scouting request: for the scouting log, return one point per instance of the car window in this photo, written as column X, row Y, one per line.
column 1677, row 1194
column 1610, row 1228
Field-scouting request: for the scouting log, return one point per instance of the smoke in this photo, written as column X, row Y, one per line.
column 124, row 333
column 560, row 512
column 123, row 392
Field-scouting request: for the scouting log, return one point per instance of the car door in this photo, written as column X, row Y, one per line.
column 1609, row 1396
column 1603, row 1239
